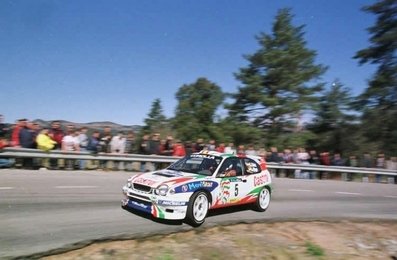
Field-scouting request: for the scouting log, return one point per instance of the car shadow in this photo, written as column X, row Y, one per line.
column 211, row 213
column 150, row 217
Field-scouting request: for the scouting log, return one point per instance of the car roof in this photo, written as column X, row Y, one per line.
column 227, row 155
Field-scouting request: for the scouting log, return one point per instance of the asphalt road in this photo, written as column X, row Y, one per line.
column 47, row 210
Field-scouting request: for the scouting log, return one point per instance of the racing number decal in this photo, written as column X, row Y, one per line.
column 236, row 189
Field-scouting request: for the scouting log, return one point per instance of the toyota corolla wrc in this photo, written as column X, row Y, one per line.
column 196, row 183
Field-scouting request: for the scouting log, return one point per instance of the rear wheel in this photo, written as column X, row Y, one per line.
column 197, row 209
column 263, row 200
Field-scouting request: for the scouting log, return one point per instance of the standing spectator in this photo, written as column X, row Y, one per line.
column 179, row 149
column 57, row 134
column 15, row 133
column 324, row 159
column 189, row 148
column 274, row 156
column 3, row 128
column 105, row 140
column 117, row 145
column 221, row 148
column 302, row 158
column 230, row 149
column 313, row 159
column 241, row 149
column 83, row 142
column 381, row 164
column 251, row 150
column 211, row 146
column 154, row 144
column 168, row 146
column 130, row 144
column 45, row 143
column 26, row 135
column 4, row 162
column 144, row 145
column 199, row 145
column 93, row 146
column 337, row 160
column 70, row 142
column 352, row 162
column 366, row 161
column 288, row 157
column 144, row 148
column 154, row 148
column 26, row 140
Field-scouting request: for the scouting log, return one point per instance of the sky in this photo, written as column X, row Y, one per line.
column 95, row 60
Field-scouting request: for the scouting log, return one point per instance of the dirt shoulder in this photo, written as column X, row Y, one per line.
column 278, row 240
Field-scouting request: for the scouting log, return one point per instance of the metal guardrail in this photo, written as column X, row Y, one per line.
column 11, row 152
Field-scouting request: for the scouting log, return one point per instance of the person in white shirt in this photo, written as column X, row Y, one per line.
column 70, row 142
column 117, row 145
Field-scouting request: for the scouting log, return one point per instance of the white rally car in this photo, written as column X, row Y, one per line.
column 193, row 185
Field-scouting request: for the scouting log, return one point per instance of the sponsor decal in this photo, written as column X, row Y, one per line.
column 141, row 205
column 260, row 180
column 171, row 203
column 202, row 156
column 144, row 181
column 224, row 192
column 251, row 167
column 193, row 186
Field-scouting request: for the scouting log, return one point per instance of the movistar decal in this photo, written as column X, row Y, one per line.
column 193, row 186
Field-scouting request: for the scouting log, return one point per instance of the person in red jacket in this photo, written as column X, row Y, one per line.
column 179, row 149
column 15, row 133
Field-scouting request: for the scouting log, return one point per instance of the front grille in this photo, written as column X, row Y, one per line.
column 137, row 196
column 141, row 187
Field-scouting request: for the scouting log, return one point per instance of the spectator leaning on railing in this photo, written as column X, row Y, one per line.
column 4, row 162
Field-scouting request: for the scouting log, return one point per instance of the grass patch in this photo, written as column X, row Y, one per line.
column 165, row 256
column 314, row 250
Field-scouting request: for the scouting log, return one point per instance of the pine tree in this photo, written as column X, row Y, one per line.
column 379, row 101
column 195, row 112
column 333, row 119
column 281, row 80
column 155, row 120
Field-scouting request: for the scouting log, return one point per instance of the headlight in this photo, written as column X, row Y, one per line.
column 161, row 190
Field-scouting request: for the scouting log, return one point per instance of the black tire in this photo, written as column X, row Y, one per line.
column 263, row 201
column 197, row 209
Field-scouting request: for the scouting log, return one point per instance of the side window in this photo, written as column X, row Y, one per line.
column 231, row 167
column 251, row 167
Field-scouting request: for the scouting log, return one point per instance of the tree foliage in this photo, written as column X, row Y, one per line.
column 155, row 120
column 280, row 81
column 195, row 112
column 379, row 101
column 333, row 119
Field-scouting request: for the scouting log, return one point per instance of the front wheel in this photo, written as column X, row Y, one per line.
column 197, row 209
column 263, row 200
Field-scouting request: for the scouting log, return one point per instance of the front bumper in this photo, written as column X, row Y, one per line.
column 158, row 206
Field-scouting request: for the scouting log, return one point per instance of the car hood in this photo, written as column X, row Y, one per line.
column 169, row 177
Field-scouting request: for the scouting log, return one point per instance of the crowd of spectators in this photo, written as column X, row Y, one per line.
column 68, row 138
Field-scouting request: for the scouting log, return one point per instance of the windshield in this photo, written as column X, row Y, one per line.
column 197, row 163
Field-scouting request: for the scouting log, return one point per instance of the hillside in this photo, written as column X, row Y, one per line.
column 91, row 125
